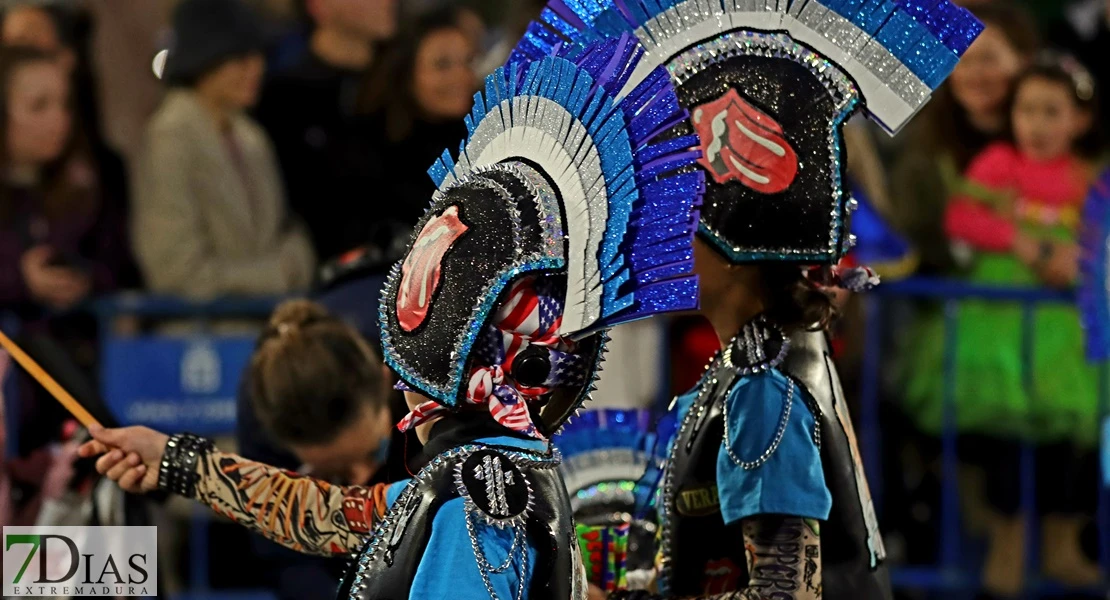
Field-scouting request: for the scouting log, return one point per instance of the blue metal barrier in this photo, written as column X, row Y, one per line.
column 952, row 575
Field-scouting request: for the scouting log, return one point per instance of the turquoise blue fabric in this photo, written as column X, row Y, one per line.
column 792, row 481
column 449, row 568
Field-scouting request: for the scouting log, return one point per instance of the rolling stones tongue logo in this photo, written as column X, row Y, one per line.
column 721, row 576
column 421, row 269
column 741, row 142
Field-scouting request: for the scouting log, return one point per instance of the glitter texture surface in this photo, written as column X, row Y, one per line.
column 557, row 177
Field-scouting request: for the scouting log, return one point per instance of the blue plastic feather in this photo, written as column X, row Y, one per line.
column 608, row 429
column 1094, row 295
column 926, row 37
column 643, row 212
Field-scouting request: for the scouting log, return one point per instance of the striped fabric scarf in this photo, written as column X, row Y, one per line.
column 530, row 316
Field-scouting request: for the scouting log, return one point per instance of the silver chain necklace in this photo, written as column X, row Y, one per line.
column 485, row 568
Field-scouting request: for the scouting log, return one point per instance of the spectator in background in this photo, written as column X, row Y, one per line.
column 56, row 247
column 331, row 166
column 210, row 215
column 471, row 23
column 1019, row 214
column 31, row 25
column 419, row 97
column 60, row 242
column 320, row 391
column 34, row 26
column 521, row 14
column 347, row 319
column 969, row 114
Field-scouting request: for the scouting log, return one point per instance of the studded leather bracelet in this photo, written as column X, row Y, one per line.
column 178, row 472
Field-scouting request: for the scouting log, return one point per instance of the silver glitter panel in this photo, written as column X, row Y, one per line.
column 547, row 205
column 582, row 168
column 880, row 62
column 748, row 43
column 672, row 30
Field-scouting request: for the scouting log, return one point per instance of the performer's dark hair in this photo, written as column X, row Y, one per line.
column 63, row 197
column 312, row 375
column 795, row 302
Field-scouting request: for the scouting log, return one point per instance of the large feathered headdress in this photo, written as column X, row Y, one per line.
column 769, row 84
column 564, row 215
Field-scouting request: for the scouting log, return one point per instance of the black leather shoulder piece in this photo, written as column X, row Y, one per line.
column 502, row 487
column 852, row 551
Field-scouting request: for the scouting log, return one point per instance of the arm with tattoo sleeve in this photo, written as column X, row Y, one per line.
column 305, row 514
column 784, row 562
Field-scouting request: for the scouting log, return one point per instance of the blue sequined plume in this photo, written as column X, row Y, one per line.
column 907, row 47
column 645, row 248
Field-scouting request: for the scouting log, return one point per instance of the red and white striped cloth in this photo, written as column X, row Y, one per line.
column 526, row 318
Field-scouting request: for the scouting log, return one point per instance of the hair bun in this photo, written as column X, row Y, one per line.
column 296, row 314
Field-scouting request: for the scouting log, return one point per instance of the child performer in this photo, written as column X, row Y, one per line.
column 562, row 218
column 764, row 494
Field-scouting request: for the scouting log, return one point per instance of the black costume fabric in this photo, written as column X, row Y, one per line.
column 851, row 548
column 537, row 501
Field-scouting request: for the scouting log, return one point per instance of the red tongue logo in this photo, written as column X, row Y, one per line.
column 741, row 142
column 420, row 271
column 721, row 576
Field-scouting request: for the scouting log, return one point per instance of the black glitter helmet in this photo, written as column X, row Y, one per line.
column 769, row 85
column 561, row 218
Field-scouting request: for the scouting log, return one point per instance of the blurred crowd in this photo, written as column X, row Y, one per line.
column 211, row 148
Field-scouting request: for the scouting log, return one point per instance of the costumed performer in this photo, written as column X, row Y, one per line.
column 764, row 494
column 563, row 217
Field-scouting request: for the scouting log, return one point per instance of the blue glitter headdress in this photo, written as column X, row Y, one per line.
column 558, row 176
column 769, row 84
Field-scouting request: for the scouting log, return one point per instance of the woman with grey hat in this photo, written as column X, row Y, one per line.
column 210, row 217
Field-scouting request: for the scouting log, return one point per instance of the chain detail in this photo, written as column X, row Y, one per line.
column 779, row 433
column 387, row 528
column 485, row 568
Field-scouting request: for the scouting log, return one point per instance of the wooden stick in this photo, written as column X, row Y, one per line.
column 59, row 393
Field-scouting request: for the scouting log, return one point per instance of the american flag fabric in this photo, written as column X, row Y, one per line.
column 529, row 316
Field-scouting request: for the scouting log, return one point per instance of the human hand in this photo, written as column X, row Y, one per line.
column 1026, row 249
column 596, row 593
column 1061, row 268
column 56, row 286
column 130, row 456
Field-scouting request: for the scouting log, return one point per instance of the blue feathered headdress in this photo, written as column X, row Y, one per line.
column 897, row 51
column 769, row 85
column 559, row 175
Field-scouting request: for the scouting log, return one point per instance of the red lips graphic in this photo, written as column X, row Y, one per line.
column 741, row 142
column 721, row 576
column 420, row 271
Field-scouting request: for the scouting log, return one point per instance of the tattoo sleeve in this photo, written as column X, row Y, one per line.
column 305, row 514
column 784, row 557
column 784, row 562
